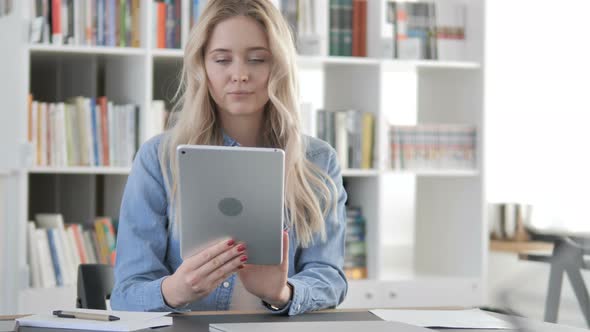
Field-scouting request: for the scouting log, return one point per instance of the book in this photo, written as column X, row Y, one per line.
column 350, row 133
column 114, row 23
column 57, row 236
column 433, row 147
column 56, row 261
column 81, row 132
column 33, row 256
column 48, row 277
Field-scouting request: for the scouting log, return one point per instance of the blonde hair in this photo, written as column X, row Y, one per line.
column 307, row 187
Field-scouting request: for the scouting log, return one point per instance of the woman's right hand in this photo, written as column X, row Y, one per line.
column 201, row 273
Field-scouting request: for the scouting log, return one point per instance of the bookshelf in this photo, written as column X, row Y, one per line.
column 425, row 230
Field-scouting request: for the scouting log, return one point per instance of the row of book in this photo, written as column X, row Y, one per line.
column 351, row 133
column 355, row 258
column 433, row 147
column 427, row 30
column 86, row 22
column 348, row 28
column 55, row 249
column 83, row 132
column 167, row 25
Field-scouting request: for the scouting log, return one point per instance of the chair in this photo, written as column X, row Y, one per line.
column 95, row 283
column 569, row 257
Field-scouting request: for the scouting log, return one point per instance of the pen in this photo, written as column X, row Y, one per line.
column 84, row 315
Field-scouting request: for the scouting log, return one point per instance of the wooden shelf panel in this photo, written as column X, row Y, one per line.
column 520, row 247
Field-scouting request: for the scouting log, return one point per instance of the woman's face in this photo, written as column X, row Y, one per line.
column 237, row 62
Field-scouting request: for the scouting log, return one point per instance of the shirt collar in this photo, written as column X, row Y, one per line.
column 228, row 141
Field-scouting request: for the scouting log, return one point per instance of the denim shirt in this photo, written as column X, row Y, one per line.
column 148, row 250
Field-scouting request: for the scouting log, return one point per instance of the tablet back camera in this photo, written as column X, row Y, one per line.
column 230, row 206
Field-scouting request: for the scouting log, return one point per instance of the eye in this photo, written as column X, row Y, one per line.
column 222, row 61
column 257, row 60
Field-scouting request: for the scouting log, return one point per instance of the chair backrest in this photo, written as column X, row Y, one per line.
column 95, row 283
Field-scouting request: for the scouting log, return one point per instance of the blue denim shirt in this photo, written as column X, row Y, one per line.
column 148, row 251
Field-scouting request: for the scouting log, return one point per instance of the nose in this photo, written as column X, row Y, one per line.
column 240, row 73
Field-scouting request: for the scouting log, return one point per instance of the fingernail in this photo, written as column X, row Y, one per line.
column 230, row 243
column 243, row 258
column 241, row 248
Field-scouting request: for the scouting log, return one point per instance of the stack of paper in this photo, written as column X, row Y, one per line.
column 458, row 319
column 354, row 326
column 129, row 321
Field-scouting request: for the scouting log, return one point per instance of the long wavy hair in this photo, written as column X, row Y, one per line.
column 310, row 194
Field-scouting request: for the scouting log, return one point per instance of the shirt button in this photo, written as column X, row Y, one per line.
column 225, row 284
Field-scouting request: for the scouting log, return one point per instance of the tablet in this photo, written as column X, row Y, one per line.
column 235, row 192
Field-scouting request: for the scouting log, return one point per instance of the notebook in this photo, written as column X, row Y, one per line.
column 354, row 326
column 129, row 321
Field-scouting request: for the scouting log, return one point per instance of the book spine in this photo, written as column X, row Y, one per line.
column 94, row 126
column 33, row 256
column 346, row 28
column 170, row 24
column 334, row 28
column 194, row 12
column 46, row 263
column 79, row 244
column 341, row 138
column 177, row 23
column 362, row 48
column 75, row 250
column 51, row 238
column 56, row 25
column 102, row 108
column 135, row 24
column 161, row 24
column 101, row 240
column 367, row 140
column 355, row 28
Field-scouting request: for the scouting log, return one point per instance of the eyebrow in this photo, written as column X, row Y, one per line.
column 257, row 48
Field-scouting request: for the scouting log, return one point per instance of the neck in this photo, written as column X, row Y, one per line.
column 244, row 129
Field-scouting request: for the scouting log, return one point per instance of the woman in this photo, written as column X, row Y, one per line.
column 239, row 89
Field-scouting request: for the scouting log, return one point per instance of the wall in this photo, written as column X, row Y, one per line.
column 537, row 115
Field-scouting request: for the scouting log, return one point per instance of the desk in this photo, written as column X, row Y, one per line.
column 199, row 322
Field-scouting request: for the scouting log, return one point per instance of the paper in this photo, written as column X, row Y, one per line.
column 461, row 319
column 353, row 326
column 7, row 325
column 129, row 321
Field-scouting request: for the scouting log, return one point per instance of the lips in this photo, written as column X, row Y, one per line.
column 240, row 93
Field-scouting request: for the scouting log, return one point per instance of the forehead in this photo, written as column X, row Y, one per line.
column 238, row 33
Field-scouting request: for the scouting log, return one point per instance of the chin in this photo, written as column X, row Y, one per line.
column 244, row 110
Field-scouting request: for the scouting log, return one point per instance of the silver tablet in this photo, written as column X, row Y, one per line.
column 232, row 191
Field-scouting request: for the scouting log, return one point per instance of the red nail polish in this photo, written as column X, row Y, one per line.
column 243, row 258
column 230, row 243
column 241, row 248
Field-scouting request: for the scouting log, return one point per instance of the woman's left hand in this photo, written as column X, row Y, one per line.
column 269, row 282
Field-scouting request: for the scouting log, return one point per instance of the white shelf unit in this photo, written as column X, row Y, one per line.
column 426, row 233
